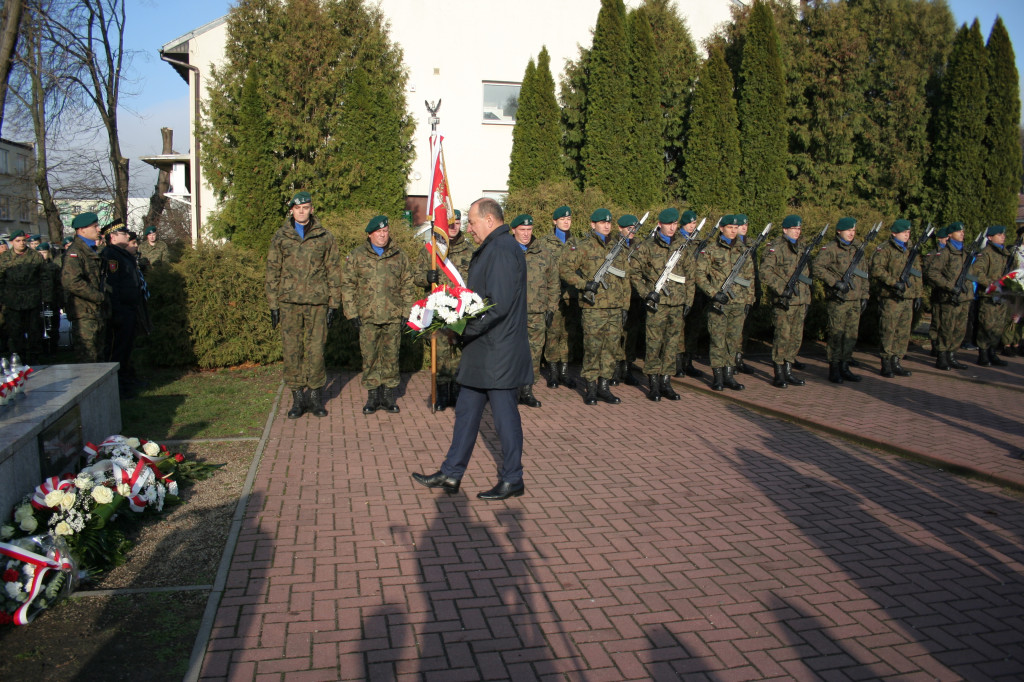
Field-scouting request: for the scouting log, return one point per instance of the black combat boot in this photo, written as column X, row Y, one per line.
column 716, row 381
column 887, row 367
column 298, row 404
column 942, row 361
column 442, row 396
column 653, row 390
column 591, row 396
column 780, row 377
column 1009, row 351
column 797, row 365
column 983, row 357
column 1020, row 348
column 729, row 380
column 690, row 370
column 953, row 362
column 666, row 388
column 995, row 359
column 897, row 368
column 526, row 397
column 787, row 368
column 834, row 373
column 372, row 401
column 845, row 373
column 680, row 364
column 553, row 374
column 387, row 400
column 604, row 394
column 563, row 375
column 742, row 366
column 626, row 373
column 316, row 402
column 614, row 380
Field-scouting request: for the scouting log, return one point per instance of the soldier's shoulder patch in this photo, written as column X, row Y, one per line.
column 112, row 265
column 73, row 255
column 824, row 247
column 771, row 249
column 880, row 248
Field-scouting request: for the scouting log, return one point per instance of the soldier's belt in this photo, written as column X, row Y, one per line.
column 915, row 273
column 615, row 271
column 742, row 282
column 860, row 273
column 805, row 279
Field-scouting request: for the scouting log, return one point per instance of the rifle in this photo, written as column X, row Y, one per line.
column 726, row 287
column 652, row 298
column 1011, row 256
column 798, row 275
column 852, row 270
column 915, row 251
column 638, row 242
column 606, row 266
column 958, row 287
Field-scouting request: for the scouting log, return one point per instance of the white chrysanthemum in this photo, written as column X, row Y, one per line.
column 124, row 490
column 15, row 592
column 133, row 442
column 151, row 449
column 126, row 462
column 29, row 524
column 172, row 488
column 6, row 532
column 63, row 528
column 68, row 501
column 102, row 495
column 150, row 494
column 84, row 481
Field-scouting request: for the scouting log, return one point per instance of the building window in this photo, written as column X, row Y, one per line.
column 20, row 164
column 23, row 210
column 5, row 208
column 3, row 161
column 501, row 100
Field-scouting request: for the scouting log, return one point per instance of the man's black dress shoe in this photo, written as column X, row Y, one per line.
column 503, row 491
column 438, row 480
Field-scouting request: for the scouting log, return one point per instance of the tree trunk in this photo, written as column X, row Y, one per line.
column 157, row 202
column 10, row 20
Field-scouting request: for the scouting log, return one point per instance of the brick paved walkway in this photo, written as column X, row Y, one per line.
column 698, row 540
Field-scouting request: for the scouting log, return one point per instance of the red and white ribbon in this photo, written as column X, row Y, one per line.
column 48, row 486
column 44, row 565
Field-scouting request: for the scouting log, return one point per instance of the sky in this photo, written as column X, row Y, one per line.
column 160, row 97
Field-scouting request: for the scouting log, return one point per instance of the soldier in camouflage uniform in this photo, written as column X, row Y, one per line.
column 728, row 313
column 898, row 300
column 460, row 252
column 151, row 251
column 844, row 301
column 782, row 255
column 929, row 261
column 378, row 291
column 664, row 325
column 26, row 286
column 602, row 320
column 691, row 330
column 556, row 346
column 86, row 293
column 543, row 289
column 303, row 285
column 631, row 338
column 988, row 268
column 949, row 311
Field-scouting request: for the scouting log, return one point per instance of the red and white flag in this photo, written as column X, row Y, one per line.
column 439, row 206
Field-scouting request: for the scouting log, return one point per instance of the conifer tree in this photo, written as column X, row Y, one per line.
column 573, row 97
column 609, row 99
column 958, row 162
column 536, row 145
column 763, row 121
column 644, row 164
column 524, row 135
column 1002, row 130
column 712, row 143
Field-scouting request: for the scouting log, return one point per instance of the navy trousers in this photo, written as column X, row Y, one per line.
column 468, row 411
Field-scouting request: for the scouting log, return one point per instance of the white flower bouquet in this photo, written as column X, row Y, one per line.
column 447, row 307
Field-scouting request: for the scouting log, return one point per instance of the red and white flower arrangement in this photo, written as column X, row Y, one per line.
column 447, row 307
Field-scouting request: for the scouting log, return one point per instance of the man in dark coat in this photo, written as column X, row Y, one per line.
column 125, row 298
column 495, row 357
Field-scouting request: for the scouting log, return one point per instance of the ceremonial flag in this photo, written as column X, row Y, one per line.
column 439, row 206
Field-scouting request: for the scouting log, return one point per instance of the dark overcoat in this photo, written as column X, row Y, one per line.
column 496, row 348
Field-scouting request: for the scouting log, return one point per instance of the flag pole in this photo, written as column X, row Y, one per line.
column 433, row 120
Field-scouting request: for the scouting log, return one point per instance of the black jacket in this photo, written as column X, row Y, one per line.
column 496, row 349
column 123, row 278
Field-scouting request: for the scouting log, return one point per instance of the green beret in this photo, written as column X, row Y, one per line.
column 600, row 215
column 561, row 212
column 522, row 219
column 84, row 220
column 955, row 226
column 726, row 219
column 792, row 220
column 43, row 246
column 994, row 230
column 14, row 235
column 628, row 220
column 901, row 225
column 688, row 217
column 739, row 219
column 301, row 198
column 458, row 214
column 35, row 237
column 149, row 230
column 846, row 224
column 942, row 233
column 376, row 222
column 67, row 240
column 669, row 215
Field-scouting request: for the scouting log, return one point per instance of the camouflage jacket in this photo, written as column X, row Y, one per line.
column 460, row 251
column 886, row 266
column 989, row 266
column 780, row 260
column 831, row 263
column 944, row 269
column 580, row 263
column 86, row 293
column 649, row 261
column 555, row 246
column 378, row 289
column 542, row 281
column 155, row 254
column 715, row 263
column 303, row 270
column 25, row 281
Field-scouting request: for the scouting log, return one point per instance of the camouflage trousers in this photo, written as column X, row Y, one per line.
column 952, row 325
column 88, row 336
column 379, row 345
column 726, row 332
column 24, row 331
column 632, row 340
column 843, row 327
column 689, row 340
column 535, row 330
column 448, row 356
column 303, row 335
column 556, row 346
column 602, row 328
column 664, row 329
column 895, row 317
column 991, row 323
column 1014, row 333
column 789, row 332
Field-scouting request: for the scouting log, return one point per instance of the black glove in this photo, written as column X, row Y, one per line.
column 625, row 314
column 275, row 318
column 900, row 288
column 651, row 301
column 356, row 322
column 331, row 312
column 917, row 304
column 783, row 302
column 720, row 297
column 433, row 277
column 863, row 304
column 842, row 287
column 686, row 310
column 591, row 287
column 549, row 318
